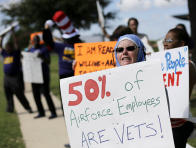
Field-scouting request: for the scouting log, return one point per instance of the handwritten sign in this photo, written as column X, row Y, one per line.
column 93, row 57
column 32, row 70
column 160, row 44
column 149, row 49
column 100, row 14
column 117, row 108
column 175, row 68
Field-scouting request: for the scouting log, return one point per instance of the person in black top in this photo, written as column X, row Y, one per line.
column 12, row 78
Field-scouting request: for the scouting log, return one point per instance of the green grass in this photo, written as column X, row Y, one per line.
column 10, row 134
column 54, row 75
column 192, row 142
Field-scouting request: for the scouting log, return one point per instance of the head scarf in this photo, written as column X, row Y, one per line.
column 138, row 43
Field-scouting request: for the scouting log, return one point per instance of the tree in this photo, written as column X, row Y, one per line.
column 32, row 14
column 192, row 17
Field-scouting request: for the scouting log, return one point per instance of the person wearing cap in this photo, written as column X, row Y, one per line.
column 12, row 78
column 65, row 51
column 43, row 53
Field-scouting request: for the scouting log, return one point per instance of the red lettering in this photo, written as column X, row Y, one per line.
column 91, row 89
column 171, row 79
column 164, row 78
column 178, row 75
column 76, row 92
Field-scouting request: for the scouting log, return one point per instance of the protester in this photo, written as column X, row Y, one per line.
column 129, row 49
column 191, row 44
column 133, row 24
column 181, row 128
column 43, row 53
column 119, row 31
column 29, row 46
column 13, row 81
column 65, row 51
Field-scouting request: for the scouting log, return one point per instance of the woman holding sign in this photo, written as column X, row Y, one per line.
column 182, row 128
column 128, row 50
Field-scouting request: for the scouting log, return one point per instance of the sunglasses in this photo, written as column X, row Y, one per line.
column 129, row 48
column 169, row 40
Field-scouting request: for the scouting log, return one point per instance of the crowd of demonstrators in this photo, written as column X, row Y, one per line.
column 13, row 81
column 128, row 45
column 43, row 53
column 181, row 128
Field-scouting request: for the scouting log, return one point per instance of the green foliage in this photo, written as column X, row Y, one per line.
column 23, row 37
column 34, row 13
column 10, row 134
column 54, row 75
column 154, row 46
column 192, row 142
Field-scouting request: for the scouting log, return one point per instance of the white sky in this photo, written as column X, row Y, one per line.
column 155, row 16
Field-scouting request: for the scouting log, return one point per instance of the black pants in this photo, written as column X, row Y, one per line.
column 45, row 89
column 62, row 77
column 181, row 134
column 12, row 85
column 22, row 81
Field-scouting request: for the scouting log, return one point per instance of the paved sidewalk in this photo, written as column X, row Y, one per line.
column 41, row 133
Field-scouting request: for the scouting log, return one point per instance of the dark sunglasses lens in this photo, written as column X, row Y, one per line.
column 131, row 48
column 120, row 49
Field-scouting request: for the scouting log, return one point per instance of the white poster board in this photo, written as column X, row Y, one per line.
column 115, row 108
column 160, row 44
column 175, row 68
column 149, row 49
column 100, row 14
column 32, row 68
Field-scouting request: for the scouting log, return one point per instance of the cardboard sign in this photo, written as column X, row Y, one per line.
column 14, row 24
column 38, row 34
column 160, row 44
column 32, row 68
column 100, row 14
column 117, row 108
column 149, row 49
column 175, row 68
column 92, row 57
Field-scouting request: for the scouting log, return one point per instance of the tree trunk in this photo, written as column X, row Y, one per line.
column 192, row 17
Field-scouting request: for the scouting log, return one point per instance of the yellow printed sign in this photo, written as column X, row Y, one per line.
column 93, row 57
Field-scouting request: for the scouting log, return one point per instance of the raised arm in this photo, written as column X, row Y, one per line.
column 1, row 42
column 47, row 36
column 105, row 33
column 15, row 40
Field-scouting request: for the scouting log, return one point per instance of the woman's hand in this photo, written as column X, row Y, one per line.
column 74, row 64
